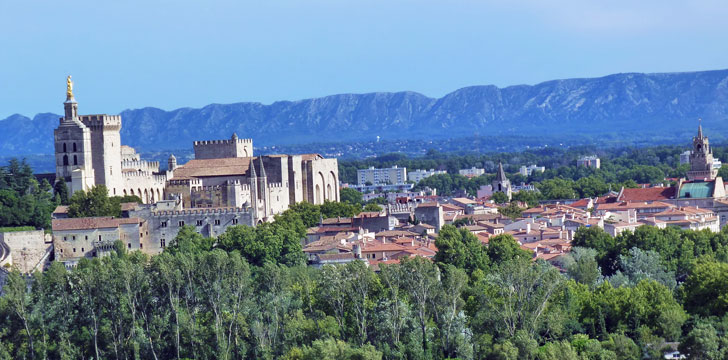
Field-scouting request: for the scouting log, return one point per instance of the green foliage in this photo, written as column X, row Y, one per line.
column 706, row 289
column 16, row 228
column 581, row 265
column 372, row 207
column 504, row 248
column 95, row 202
column 459, row 247
column 60, row 191
column 529, row 197
column 23, row 200
column 350, row 196
column 512, row 210
column 331, row 209
column 499, row 197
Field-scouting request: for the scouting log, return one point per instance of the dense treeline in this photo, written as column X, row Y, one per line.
column 562, row 178
column 248, row 294
column 23, row 200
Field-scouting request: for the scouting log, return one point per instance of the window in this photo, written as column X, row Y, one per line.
column 74, row 238
column 74, row 147
column 164, row 224
column 82, row 250
column 128, row 245
column 65, row 160
column 141, row 246
column 75, row 160
column 64, row 239
column 64, row 148
column 199, row 222
column 235, row 221
column 86, row 237
column 74, row 249
column 217, row 222
column 181, row 223
column 99, row 237
column 163, row 242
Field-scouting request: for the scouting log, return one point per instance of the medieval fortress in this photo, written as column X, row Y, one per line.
column 225, row 184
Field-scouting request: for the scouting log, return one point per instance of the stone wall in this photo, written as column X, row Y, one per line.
column 217, row 149
column 27, row 248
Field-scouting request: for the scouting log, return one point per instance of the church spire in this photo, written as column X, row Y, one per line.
column 501, row 174
column 700, row 129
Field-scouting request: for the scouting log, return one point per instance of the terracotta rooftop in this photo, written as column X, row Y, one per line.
column 90, row 223
column 213, row 167
column 647, row 194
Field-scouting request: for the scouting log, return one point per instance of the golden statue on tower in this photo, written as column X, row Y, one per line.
column 69, row 87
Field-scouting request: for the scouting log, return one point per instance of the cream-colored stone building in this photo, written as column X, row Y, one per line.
column 89, row 152
column 224, row 185
column 224, row 173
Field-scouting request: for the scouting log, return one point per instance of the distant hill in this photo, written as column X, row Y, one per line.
column 633, row 106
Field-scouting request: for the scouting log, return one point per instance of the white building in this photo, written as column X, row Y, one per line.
column 472, row 172
column 591, row 161
column 528, row 170
column 417, row 175
column 393, row 175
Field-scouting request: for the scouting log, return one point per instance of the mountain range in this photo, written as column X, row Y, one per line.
column 628, row 106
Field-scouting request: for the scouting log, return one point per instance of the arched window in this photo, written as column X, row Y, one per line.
column 64, row 147
column 65, row 159
column 75, row 160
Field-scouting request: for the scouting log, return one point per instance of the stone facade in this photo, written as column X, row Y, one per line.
column 223, row 174
column 217, row 149
column 89, row 152
column 701, row 159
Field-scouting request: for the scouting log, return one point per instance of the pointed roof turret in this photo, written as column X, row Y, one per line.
column 700, row 129
column 252, row 169
column 501, row 175
column 234, row 137
column 262, row 169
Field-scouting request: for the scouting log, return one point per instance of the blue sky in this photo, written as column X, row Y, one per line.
column 170, row 54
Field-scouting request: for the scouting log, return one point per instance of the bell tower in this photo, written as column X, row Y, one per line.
column 701, row 159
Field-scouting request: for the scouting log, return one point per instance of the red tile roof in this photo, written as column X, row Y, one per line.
column 90, row 223
column 647, row 194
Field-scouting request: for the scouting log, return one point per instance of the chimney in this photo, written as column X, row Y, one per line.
column 528, row 228
column 542, row 231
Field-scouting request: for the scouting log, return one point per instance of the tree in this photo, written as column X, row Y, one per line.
column 706, row 289
column 60, row 191
column 557, row 188
column 515, row 297
column 499, row 197
column 503, row 248
column 372, row 207
column 640, row 265
column 331, row 209
column 460, row 248
column 582, row 266
column 421, row 279
column 94, row 203
column 350, row 196
column 702, row 342
column 513, row 211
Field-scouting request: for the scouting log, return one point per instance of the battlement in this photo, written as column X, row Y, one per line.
column 185, row 182
column 207, row 188
column 275, row 185
column 222, row 142
column 228, row 148
column 101, row 121
column 140, row 164
column 202, row 211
